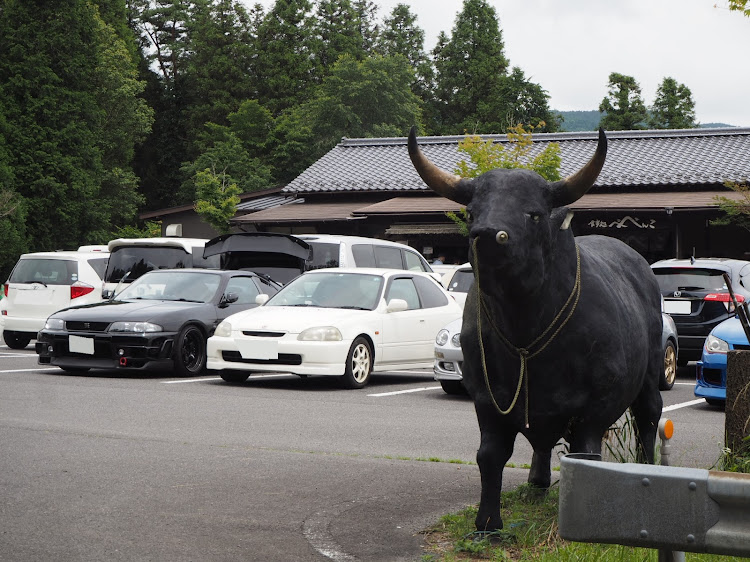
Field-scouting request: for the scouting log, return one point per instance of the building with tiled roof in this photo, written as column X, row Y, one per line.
column 657, row 191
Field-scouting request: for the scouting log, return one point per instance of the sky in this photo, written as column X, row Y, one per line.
column 570, row 47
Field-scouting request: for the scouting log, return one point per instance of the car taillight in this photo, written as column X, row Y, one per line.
column 5, row 289
column 79, row 289
column 726, row 298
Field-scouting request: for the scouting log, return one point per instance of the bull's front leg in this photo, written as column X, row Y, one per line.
column 540, row 474
column 495, row 450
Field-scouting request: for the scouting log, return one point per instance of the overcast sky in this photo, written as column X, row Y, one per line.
column 570, row 47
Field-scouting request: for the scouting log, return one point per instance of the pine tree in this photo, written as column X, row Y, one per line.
column 673, row 107
column 468, row 66
column 623, row 106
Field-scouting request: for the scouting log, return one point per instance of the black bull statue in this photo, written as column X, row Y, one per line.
column 561, row 334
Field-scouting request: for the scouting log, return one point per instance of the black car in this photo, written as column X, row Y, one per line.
column 697, row 297
column 162, row 319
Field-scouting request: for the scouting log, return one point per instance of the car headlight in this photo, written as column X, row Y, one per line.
column 54, row 324
column 715, row 345
column 135, row 327
column 223, row 330
column 442, row 337
column 456, row 339
column 320, row 333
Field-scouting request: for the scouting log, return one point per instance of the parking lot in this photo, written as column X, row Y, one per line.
column 155, row 467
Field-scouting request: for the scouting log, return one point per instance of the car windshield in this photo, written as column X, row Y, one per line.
column 673, row 279
column 172, row 286
column 356, row 291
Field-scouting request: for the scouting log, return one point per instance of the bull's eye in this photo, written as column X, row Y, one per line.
column 535, row 216
column 469, row 216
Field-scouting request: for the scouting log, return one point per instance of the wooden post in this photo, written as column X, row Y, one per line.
column 737, row 422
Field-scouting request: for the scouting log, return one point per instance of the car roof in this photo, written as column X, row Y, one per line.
column 186, row 244
column 65, row 254
column 718, row 263
column 350, row 239
column 370, row 271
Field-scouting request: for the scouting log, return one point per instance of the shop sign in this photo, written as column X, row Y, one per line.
column 625, row 222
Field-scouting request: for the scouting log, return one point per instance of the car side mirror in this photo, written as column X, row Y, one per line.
column 397, row 305
column 229, row 298
column 261, row 299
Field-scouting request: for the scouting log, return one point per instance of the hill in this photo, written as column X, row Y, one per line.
column 574, row 121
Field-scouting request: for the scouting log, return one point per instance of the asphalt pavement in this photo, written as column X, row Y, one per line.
column 152, row 467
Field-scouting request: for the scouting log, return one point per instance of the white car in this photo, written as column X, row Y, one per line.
column 336, row 322
column 458, row 281
column 44, row 282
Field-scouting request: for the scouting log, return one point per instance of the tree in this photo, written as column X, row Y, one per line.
column 217, row 199
column 336, row 31
column 72, row 110
column 468, row 66
column 673, row 107
column 400, row 35
column 488, row 155
column 284, row 60
column 217, row 77
column 623, row 106
column 517, row 100
column 740, row 6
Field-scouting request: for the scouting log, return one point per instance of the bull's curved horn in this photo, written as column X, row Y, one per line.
column 574, row 187
column 441, row 182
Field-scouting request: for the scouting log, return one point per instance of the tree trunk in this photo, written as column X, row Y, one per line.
column 737, row 423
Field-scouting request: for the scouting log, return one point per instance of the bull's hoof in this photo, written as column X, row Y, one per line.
column 488, row 523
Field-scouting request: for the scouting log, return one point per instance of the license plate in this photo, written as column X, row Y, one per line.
column 77, row 344
column 258, row 349
column 677, row 307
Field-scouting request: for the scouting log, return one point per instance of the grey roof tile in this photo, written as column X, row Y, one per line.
column 684, row 158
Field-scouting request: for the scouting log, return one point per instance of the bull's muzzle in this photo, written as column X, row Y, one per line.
column 501, row 237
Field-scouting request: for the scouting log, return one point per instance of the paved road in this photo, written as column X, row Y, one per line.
column 159, row 468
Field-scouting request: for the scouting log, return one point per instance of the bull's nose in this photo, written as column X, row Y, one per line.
column 501, row 237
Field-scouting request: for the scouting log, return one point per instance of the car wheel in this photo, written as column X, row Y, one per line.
column 358, row 364
column 16, row 340
column 453, row 387
column 234, row 376
column 666, row 382
column 190, row 352
column 716, row 403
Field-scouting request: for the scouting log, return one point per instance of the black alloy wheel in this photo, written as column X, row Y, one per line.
column 190, row 352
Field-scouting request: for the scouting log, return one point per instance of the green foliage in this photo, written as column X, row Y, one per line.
column 151, row 229
column 217, row 198
column 580, row 120
column 738, row 460
column 673, row 107
column 740, row 6
column 736, row 212
column 623, row 106
column 487, row 155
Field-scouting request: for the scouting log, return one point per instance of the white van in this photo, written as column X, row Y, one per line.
column 44, row 282
column 331, row 250
column 129, row 258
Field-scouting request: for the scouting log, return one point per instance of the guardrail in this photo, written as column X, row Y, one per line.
column 664, row 507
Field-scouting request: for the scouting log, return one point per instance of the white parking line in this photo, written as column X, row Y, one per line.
column 27, row 370
column 682, row 405
column 405, row 391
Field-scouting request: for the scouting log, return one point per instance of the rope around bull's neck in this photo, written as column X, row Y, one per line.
column 524, row 353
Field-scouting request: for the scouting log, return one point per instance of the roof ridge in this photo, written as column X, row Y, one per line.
column 560, row 136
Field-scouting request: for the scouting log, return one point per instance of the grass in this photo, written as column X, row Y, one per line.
column 530, row 533
column 530, row 519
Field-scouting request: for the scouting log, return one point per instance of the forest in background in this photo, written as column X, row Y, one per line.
column 113, row 107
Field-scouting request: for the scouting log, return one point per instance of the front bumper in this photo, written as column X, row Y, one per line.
column 311, row 358
column 120, row 351
column 711, row 377
column 448, row 364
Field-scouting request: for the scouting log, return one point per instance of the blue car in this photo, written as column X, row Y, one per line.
column 711, row 370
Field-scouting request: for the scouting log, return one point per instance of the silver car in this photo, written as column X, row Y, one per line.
column 449, row 357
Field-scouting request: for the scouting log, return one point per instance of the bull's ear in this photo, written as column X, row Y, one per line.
column 448, row 185
column 574, row 187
